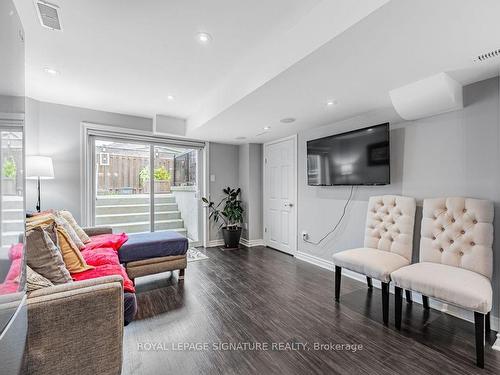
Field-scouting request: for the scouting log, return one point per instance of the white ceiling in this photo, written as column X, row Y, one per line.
column 402, row 42
column 268, row 59
column 128, row 56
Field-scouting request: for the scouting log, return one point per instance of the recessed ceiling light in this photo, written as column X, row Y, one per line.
column 267, row 127
column 331, row 103
column 204, row 38
column 170, row 97
column 51, row 71
column 240, row 138
column 287, row 120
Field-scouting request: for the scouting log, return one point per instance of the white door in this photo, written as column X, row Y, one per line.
column 280, row 193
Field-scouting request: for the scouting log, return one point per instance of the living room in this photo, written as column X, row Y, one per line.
column 250, row 187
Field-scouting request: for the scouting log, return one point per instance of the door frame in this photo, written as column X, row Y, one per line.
column 88, row 130
column 295, row 224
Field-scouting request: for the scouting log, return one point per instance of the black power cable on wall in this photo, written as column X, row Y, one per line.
column 338, row 222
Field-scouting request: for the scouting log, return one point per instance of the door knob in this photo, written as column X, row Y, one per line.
column 289, row 204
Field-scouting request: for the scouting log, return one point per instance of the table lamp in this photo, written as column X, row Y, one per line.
column 39, row 168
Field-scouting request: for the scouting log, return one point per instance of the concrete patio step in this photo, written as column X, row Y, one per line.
column 10, row 238
column 12, row 225
column 136, row 216
column 134, row 208
column 12, row 202
column 107, row 200
column 13, row 214
column 135, row 227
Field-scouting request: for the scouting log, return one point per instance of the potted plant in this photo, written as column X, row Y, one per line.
column 162, row 179
column 229, row 217
column 9, row 175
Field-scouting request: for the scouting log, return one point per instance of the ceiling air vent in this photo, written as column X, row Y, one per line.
column 487, row 56
column 48, row 14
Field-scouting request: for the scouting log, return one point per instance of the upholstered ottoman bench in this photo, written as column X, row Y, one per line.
column 149, row 253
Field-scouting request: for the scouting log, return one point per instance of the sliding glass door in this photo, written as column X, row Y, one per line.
column 143, row 186
column 122, row 198
column 176, row 196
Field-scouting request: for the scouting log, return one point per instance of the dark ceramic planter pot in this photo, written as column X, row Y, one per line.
column 231, row 237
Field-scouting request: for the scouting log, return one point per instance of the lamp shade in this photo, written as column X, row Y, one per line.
column 39, row 167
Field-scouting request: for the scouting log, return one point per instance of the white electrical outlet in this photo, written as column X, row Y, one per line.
column 305, row 235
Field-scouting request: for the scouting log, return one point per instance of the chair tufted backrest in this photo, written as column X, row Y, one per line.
column 458, row 232
column 389, row 224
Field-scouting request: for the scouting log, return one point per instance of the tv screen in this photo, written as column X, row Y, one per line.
column 360, row 157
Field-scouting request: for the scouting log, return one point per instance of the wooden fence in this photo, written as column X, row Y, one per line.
column 122, row 175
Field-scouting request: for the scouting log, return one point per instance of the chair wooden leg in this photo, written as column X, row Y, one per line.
column 398, row 303
column 338, row 278
column 487, row 324
column 385, row 303
column 369, row 282
column 479, row 323
column 181, row 274
column 409, row 300
column 425, row 301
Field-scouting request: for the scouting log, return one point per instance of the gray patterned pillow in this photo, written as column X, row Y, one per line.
column 35, row 281
column 43, row 256
column 61, row 220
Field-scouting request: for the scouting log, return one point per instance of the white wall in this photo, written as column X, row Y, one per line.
column 188, row 203
column 54, row 130
column 454, row 154
column 58, row 136
column 223, row 164
column 250, row 181
column 244, row 184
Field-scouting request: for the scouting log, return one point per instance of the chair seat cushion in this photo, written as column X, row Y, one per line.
column 457, row 286
column 374, row 263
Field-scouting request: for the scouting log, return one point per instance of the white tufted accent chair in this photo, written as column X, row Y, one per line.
column 387, row 247
column 456, row 260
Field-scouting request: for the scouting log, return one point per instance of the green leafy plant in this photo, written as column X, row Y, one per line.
column 160, row 174
column 231, row 215
column 9, row 168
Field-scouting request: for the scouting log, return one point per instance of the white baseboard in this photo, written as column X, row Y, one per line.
column 417, row 297
column 215, row 243
column 251, row 243
column 243, row 241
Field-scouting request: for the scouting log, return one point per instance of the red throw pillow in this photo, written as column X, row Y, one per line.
column 114, row 241
column 106, row 270
column 16, row 251
column 100, row 256
column 8, row 287
column 11, row 282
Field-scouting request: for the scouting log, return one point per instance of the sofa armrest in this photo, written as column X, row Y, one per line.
column 95, row 231
column 76, row 328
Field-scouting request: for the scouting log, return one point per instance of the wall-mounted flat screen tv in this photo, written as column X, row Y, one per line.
column 359, row 157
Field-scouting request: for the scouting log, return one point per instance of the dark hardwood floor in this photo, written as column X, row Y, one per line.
column 259, row 295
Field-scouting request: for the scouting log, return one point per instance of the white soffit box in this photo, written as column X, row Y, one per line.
column 169, row 125
column 427, row 97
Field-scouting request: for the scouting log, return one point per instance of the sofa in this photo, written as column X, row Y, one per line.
column 83, row 319
column 76, row 328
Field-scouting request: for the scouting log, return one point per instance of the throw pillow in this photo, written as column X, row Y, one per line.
column 43, row 256
column 114, row 241
column 71, row 253
column 60, row 220
column 40, row 219
column 35, row 281
column 78, row 229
